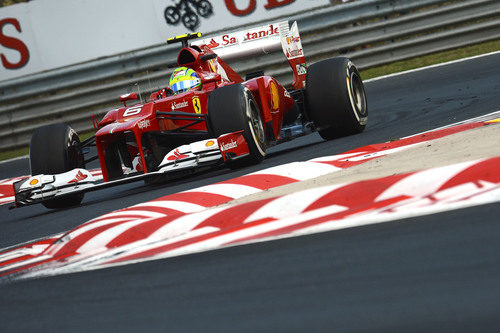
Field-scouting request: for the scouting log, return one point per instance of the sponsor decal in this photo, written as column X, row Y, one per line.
column 79, row 177
column 275, row 99
column 212, row 66
column 176, row 155
column 180, row 105
column 229, row 145
column 290, row 54
column 229, row 40
column 179, row 73
column 225, row 40
column 292, row 39
column 196, row 105
column 270, row 31
column 210, row 143
column 213, row 44
column 144, row 123
column 301, row 69
column 33, row 182
column 292, row 47
column 189, row 12
column 261, row 33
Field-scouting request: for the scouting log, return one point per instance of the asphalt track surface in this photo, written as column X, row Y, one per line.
column 432, row 273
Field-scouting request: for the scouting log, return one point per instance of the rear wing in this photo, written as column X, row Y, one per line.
column 263, row 40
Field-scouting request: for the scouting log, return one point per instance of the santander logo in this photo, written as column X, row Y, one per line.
column 213, row 44
column 294, row 53
column 262, row 33
column 180, row 105
column 176, row 155
column 229, row 145
column 78, row 177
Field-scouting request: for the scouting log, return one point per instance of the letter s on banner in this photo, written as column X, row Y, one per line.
column 13, row 43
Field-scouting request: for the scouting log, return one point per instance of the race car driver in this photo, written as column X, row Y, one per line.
column 184, row 79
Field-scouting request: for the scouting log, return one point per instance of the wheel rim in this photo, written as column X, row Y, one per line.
column 358, row 94
column 255, row 123
column 75, row 159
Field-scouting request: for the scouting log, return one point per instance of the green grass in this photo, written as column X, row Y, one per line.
column 396, row 67
column 432, row 59
column 8, row 154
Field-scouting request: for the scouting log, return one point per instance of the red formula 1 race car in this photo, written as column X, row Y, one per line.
column 206, row 115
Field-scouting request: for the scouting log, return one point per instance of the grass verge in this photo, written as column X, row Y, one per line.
column 396, row 67
column 431, row 59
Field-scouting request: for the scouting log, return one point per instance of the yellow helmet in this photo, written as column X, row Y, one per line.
column 184, row 79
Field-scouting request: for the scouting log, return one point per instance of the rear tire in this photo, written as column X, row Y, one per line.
column 56, row 149
column 335, row 98
column 231, row 109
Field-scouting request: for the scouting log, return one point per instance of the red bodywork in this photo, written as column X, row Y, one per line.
column 136, row 120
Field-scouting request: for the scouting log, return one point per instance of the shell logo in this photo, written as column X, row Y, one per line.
column 275, row 102
column 33, row 182
column 209, row 143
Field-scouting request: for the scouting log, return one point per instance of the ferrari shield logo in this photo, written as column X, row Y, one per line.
column 196, row 105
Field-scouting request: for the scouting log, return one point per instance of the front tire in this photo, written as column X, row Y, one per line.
column 56, row 149
column 231, row 109
column 335, row 98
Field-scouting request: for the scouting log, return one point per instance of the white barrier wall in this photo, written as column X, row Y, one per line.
column 41, row 35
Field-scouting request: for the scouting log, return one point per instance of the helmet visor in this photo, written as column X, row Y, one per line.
column 185, row 85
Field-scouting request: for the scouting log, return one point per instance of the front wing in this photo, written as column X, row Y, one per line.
column 180, row 161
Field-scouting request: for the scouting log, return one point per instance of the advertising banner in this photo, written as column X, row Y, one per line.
column 41, row 35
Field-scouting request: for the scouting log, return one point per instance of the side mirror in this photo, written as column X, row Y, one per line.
column 128, row 97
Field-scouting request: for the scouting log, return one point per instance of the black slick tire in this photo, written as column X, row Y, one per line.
column 233, row 108
column 335, row 98
column 56, row 149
